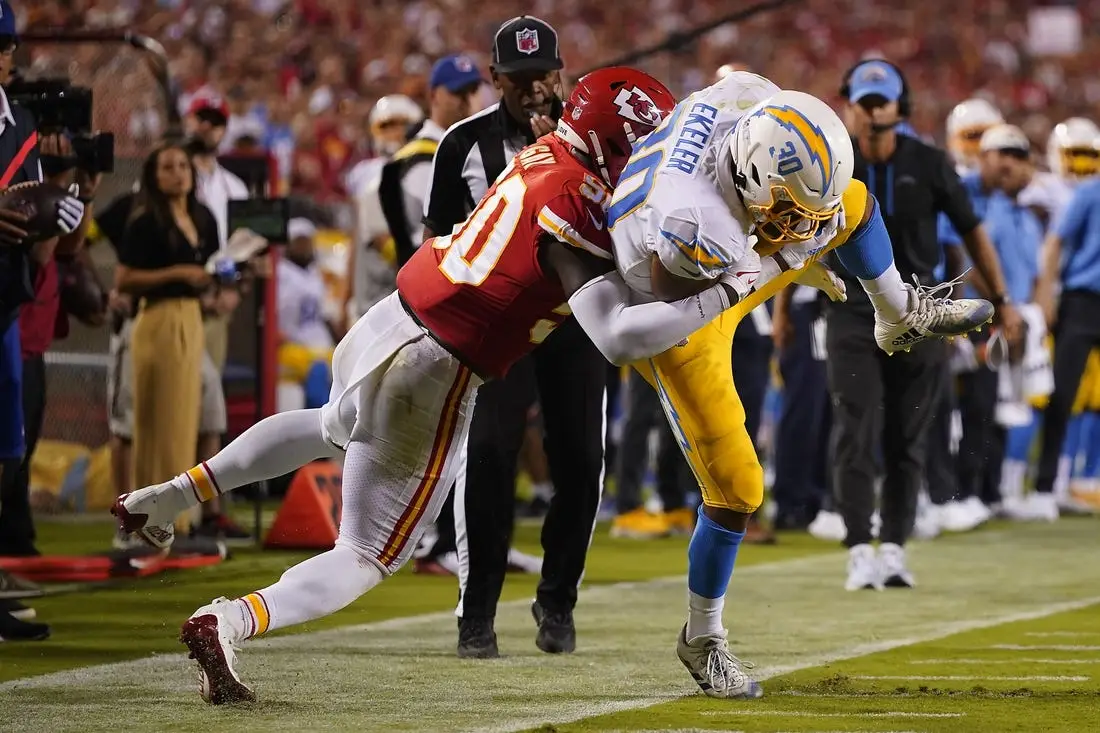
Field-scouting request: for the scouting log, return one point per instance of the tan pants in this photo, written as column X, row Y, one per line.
column 167, row 351
column 217, row 339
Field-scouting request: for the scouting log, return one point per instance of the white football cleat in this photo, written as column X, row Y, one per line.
column 863, row 569
column 929, row 316
column 893, row 570
column 211, row 636
column 714, row 668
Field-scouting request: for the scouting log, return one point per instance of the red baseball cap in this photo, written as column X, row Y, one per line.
column 207, row 101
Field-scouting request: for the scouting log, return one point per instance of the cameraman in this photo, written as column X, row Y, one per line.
column 28, row 283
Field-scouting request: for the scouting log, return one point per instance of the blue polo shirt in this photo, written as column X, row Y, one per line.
column 1079, row 231
column 1017, row 234
column 979, row 199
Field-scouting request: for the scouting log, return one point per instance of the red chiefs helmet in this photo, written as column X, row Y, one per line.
column 608, row 111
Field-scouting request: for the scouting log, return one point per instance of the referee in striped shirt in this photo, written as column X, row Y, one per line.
column 566, row 373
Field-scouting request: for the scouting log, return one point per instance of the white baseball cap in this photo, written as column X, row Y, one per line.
column 1005, row 137
column 300, row 227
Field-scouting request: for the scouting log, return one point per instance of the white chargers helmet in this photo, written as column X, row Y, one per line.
column 1073, row 150
column 390, row 119
column 966, row 124
column 791, row 160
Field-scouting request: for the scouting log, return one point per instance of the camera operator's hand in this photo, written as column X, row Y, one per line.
column 12, row 233
column 56, row 146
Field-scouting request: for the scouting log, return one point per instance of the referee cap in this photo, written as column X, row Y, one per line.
column 526, row 43
column 1008, row 138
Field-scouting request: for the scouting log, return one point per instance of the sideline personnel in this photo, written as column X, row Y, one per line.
column 913, row 183
column 570, row 373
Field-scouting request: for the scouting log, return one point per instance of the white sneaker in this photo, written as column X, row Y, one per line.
column 863, row 569
column 211, row 635
column 959, row 516
column 1034, row 507
column 979, row 510
column 714, row 668
column 828, row 526
column 150, row 513
column 929, row 316
column 892, row 568
column 928, row 523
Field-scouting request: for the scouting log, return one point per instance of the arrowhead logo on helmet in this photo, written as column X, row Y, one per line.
column 636, row 105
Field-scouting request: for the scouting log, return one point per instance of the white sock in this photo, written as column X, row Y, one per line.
column 888, row 294
column 704, row 616
column 1013, row 473
column 313, row 589
column 272, row 447
column 1061, row 480
column 543, row 490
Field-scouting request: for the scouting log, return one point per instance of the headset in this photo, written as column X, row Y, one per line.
column 904, row 103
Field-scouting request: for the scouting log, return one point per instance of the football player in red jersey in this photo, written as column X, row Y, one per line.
column 467, row 306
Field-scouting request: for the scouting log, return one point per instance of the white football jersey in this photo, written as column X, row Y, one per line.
column 668, row 200
column 301, row 297
column 1047, row 192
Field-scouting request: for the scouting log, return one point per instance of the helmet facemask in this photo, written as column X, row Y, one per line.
column 1080, row 161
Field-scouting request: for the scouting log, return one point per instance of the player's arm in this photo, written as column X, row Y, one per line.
column 1068, row 231
column 625, row 332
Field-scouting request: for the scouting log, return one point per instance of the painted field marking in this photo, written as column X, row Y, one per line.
column 972, row 678
column 1029, row 660
column 807, row 714
column 1072, row 634
column 1046, row 647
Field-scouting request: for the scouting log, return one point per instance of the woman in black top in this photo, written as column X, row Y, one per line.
column 168, row 240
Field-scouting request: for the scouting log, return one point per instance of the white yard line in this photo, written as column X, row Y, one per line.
column 971, row 678
column 1014, row 660
column 1046, row 647
column 807, row 714
column 1070, row 634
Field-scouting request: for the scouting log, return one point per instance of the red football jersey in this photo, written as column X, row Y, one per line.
column 480, row 289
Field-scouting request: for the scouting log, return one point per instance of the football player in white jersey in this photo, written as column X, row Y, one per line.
column 966, row 124
column 752, row 184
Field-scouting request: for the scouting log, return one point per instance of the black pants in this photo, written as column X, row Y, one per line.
column 752, row 353
column 571, row 380
column 802, row 436
column 674, row 476
column 869, row 389
column 16, row 523
column 981, row 448
column 1075, row 335
column 942, row 479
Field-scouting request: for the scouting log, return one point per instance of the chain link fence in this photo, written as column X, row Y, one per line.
column 129, row 101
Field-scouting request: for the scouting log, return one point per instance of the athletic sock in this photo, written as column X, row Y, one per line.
column 712, row 553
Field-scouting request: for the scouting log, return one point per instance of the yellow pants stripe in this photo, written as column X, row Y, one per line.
column 204, row 487
column 261, row 619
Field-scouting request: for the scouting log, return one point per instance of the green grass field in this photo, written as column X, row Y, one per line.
column 1003, row 634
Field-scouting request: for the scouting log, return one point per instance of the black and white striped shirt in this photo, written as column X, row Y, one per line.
column 470, row 156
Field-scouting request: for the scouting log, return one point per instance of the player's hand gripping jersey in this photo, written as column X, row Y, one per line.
column 481, row 290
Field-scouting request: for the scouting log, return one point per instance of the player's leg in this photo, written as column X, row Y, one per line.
column 694, row 382
column 408, row 430
column 904, row 315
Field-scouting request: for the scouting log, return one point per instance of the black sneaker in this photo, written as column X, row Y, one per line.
column 18, row 610
column 557, row 634
column 222, row 527
column 476, row 639
column 12, row 629
column 15, row 587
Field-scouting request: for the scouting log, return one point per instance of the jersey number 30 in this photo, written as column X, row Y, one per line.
column 473, row 251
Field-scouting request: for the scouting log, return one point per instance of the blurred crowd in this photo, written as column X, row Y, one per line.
column 302, row 76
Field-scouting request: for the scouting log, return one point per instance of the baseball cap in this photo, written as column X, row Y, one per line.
column 300, row 227
column 211, row 104
column 1005, row 138
column 874, row 77
column 7, row 19
column 454, row 73
column 526, row 43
